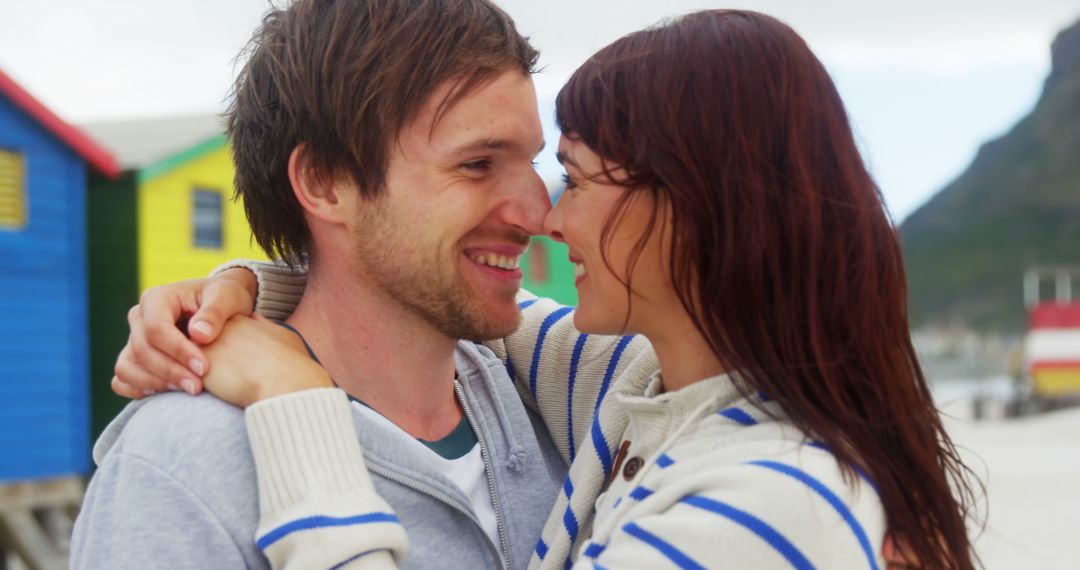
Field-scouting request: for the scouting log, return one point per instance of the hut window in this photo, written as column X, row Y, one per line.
column 12, row 190
column 207, row 218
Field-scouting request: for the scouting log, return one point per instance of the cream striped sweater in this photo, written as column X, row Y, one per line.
column 705, row 478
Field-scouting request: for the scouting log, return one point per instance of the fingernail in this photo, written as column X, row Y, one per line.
column 189, row 385
column 196, row 366
column 173, row 387
column 148, row 392
column 203, row 327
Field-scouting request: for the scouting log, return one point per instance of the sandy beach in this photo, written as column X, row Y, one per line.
column 1031, row 468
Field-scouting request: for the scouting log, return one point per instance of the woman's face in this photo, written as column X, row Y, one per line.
column 578, row 219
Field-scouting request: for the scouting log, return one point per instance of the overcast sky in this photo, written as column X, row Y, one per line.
column 925, row 81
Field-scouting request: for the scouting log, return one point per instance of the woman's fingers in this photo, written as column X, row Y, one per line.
column 220, row 300
column 148, row 370
column 155, row 330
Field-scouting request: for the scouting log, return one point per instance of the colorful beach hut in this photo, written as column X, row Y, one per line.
column 546, row 266
column 1051, row 363
column 44, row 162
column 168, row 217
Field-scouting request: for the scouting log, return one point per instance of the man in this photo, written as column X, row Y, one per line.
column 390, row 144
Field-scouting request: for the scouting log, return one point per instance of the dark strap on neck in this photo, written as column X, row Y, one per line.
column 314, row 357
column 307, row 346
column 455, row 445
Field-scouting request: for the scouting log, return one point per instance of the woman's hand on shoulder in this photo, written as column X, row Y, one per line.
column 254, row 359
column 168, row 326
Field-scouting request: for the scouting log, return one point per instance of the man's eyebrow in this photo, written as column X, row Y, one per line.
column 483, row 144
column 489, row 144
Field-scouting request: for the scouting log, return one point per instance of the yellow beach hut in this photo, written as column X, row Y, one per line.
column 168, row 217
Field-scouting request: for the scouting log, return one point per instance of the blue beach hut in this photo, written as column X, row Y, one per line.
column 44, row 362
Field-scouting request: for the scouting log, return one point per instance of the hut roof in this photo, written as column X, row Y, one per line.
column 149, row 143
column 94, row 154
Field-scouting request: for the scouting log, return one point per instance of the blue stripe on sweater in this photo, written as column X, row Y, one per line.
column 571, row 524
column 612, row 365
column 759, row 527
column 641, row 493
column 670, row 552
column 526, row 304
column 842, row 509
column 600, row 444
column 568, row 487
column 603, row 450
column 665, row 461
column 541, row 548
column 550, row 320
column 859, row 472
column 738, row 415
column 309, row 523
column 593, row 549
column 575, row 358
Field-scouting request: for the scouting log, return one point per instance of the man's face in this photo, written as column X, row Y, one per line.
column 461, row 200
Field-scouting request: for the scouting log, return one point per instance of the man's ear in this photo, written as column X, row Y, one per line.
column 318, row 192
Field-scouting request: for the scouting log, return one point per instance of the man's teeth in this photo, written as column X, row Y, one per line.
column 579, row 270
column 508, row 262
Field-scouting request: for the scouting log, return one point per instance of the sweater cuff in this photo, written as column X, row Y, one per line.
column 279, row 286
column 305, row 446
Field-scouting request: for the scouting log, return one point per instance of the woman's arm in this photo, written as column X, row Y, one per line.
column 328, row 511
column 279, row 287
column 562, row 373
column 318, row 506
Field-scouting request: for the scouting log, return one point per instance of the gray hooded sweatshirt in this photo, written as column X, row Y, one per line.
column 176, row 484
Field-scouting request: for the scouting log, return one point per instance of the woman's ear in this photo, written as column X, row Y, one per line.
column 319, row 192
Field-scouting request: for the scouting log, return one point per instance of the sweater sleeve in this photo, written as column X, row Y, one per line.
column 562, row 373
column 279, row 286
column 759, row 514
column 318, row 506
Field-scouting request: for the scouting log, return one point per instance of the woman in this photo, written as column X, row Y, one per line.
column 716, row 204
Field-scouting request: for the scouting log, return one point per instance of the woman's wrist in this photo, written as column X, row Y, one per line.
column 310, row 377
column 247, row 281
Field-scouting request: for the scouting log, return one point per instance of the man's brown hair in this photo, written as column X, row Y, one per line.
column 343, row 77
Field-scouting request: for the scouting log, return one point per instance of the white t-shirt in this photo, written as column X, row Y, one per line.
column 467, row 472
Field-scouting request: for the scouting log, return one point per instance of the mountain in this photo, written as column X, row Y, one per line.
column 1016, row 205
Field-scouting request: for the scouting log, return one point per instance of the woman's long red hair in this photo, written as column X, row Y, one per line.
column 782, row 250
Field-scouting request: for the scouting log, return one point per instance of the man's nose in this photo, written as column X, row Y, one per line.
column 529, row 205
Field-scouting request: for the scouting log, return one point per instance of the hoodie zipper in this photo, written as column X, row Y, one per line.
column 488, row 465
column 431, row 492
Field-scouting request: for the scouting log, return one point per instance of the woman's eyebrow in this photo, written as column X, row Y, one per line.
column 564, row 158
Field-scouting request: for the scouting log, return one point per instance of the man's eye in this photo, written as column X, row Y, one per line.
column 477, row 165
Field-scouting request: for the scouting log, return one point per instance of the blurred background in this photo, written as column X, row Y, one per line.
column 115, row 176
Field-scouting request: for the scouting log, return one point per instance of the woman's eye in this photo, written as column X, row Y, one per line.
column 570, row 184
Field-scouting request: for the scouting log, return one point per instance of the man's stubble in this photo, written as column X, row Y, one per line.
column 406, row 266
